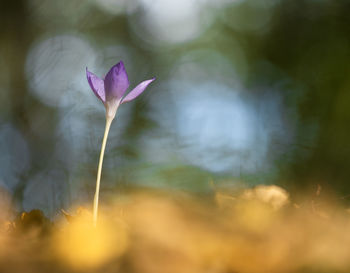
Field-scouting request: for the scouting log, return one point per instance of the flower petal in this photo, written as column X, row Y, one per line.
column 116, row 82
column 137, row 90
column 97, row 85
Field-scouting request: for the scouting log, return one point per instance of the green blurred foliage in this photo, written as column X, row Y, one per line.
column 298, row 49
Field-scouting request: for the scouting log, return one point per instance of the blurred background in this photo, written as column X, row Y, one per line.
column 247, row 92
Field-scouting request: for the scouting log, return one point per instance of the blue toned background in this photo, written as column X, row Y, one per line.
column 247, row 92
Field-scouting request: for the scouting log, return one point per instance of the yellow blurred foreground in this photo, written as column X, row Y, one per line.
column 248, row 231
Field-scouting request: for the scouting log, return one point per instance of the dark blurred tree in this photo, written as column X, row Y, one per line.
column 310, row 42
column 16, row 37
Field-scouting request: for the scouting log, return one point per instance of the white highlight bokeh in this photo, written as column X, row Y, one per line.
column 208, row 120
column 168, row 21
column 56, row 65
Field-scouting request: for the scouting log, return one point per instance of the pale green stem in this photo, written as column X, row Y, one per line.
column 99, row 170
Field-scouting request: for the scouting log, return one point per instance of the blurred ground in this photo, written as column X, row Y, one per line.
column 262, row 229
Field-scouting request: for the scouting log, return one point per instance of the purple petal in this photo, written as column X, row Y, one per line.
column 137, row 90
column 116, row 82
column 97, row 85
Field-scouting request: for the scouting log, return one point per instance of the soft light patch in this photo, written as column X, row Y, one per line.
column 82, row 245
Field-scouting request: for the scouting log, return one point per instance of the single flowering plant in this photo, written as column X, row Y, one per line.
column 111, row 90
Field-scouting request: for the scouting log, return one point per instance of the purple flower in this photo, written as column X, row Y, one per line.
column 111, row 89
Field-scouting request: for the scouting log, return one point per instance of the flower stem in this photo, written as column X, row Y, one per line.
column 99, row 170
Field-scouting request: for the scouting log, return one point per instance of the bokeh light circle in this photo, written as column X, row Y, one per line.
column 56, row 65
